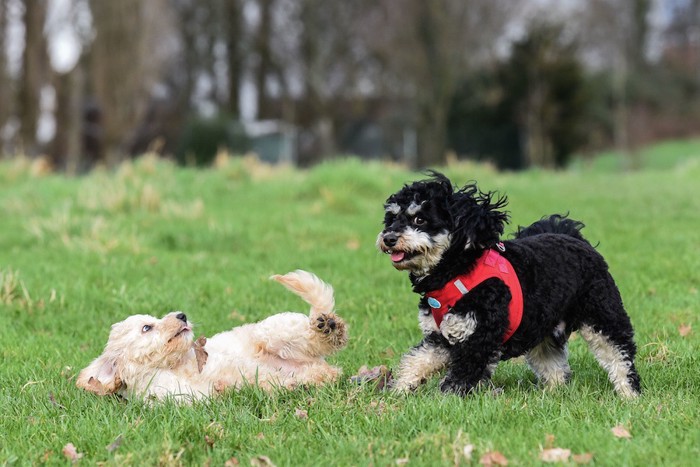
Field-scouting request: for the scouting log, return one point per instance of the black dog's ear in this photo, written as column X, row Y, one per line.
column 478, row 217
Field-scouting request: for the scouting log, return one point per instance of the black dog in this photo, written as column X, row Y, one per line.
column 483, row 300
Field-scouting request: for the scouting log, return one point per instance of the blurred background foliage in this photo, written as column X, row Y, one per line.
column 87, row 83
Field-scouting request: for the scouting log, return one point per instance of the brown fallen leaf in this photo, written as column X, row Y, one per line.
column 232, row 462
column 53, row 401
column 261, row 461
column 555, row 455
column 467, row 451
column 620, row 431
column 71, row 453
column 549, row 441
column 115, row 444
column 301, row 414
column 584, row 458
column 237, row 316
column 684, row 330
column 493, row 458
column 199, row 353
column 379, row 374
column 379, row 407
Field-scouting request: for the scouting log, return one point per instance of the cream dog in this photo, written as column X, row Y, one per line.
column 157, row 358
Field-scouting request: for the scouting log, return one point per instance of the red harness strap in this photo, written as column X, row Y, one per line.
column 490, row 264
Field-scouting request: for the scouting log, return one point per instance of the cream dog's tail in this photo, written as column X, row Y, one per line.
column 313, row 290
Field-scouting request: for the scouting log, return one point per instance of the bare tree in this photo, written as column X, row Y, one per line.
column 263, row 50
column 234, row 37
column 428, row 46
column 316, row 63
column 33, row 74
column 5, row 95
column 124, row 64
column 616, row 33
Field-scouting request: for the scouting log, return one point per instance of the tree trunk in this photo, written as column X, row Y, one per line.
column 436, row 92
column 234, row 33
column 34, row 60
column 5, row 96
column 118, row 71
column 66, row 152
column 432, row 135
column 264, row 52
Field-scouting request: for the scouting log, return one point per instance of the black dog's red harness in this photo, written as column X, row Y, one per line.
column 490, row 264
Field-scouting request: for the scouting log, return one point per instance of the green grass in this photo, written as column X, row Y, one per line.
column 78, row 254
column 674, row 154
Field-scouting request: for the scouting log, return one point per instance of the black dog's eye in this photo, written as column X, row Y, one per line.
column 418, row 220
column 146, row 328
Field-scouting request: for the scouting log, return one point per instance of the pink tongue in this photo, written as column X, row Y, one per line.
column 397, row 256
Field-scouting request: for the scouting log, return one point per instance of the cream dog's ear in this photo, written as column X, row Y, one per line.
column 101, row 376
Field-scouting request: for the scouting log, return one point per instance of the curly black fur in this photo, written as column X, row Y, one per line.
column 437, row 232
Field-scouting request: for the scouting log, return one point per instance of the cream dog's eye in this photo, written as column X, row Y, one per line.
column 146, row 328
column 418, row 220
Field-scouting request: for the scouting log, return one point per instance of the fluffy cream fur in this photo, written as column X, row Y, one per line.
column 157, row 358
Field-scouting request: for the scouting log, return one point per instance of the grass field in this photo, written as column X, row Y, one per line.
column 78, row 254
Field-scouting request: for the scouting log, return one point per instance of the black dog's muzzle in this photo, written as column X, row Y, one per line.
column 390, row 239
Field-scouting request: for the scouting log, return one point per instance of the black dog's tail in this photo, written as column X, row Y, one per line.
column 555, row 224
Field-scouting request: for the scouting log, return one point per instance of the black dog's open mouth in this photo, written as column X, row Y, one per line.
column 398, row 256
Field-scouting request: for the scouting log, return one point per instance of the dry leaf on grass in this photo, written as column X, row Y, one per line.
column 53, row 401
column 584, row 458
column 401, row 461
column 301, row 414
column 620, row 431
column 379, row 407
column 493, row 458
column 549, row 441
column 261, row 461
column 232, row 462
column 379, row 374
column 467, row 451
column 684, row 330
column 237, row 316
column 71, row 453
column 115, row 444
column 555, row 455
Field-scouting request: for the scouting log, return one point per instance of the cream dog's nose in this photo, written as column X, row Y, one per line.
column 182, row 317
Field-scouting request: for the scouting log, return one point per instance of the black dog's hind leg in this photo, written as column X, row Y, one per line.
column 607, row 329
column 550, row 359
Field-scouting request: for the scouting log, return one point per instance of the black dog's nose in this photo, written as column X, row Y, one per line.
column 390, row 239
column 181, row 317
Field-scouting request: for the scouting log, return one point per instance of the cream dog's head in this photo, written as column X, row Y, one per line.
column 138, row 345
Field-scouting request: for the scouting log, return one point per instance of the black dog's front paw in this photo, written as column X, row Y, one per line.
column 451, row 385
